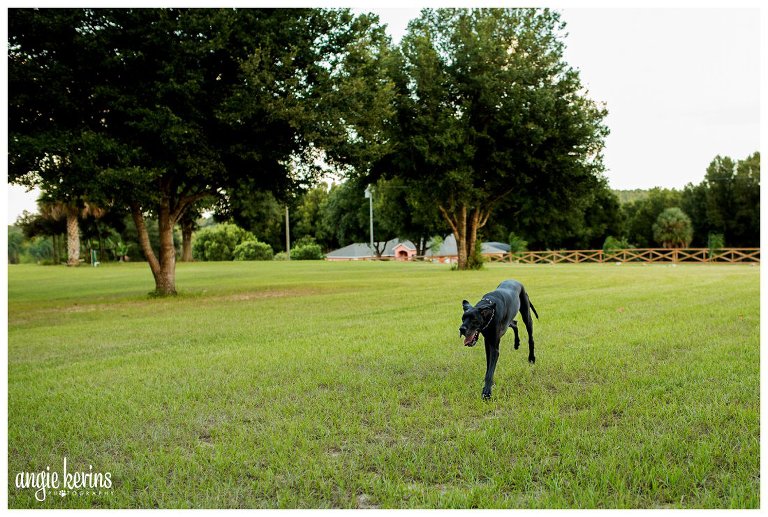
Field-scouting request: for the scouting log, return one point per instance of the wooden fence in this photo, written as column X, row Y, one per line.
column 667, row 255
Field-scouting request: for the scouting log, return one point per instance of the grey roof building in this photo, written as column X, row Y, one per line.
column 362, row 251
column 359, row 250
column 449, row 248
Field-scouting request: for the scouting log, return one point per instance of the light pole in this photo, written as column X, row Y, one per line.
column 287, row 234
column 369, row 196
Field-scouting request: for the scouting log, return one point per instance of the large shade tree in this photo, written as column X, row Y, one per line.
column 488, row 111
column 165, row 107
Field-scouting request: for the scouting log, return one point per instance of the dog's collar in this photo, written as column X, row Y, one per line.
column 493, row 314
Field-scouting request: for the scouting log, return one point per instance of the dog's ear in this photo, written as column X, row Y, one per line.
column 466, row 305
column 487, row 312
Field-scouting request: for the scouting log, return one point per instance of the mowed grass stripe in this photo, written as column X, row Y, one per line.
column 345, row 385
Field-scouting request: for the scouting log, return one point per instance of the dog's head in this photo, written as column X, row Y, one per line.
column 475, row 319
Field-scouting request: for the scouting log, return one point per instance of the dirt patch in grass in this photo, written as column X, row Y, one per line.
column 260, row 295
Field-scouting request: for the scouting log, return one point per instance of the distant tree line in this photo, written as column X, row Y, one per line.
column 724, row 206
column 722, row 210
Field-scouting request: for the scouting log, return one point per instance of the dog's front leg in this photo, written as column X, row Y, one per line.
column 492, row 354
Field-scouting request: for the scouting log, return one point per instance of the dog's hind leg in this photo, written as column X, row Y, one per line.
column 517, row 336
column 525, row 312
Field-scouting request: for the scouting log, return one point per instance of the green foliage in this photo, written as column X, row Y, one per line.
column 487, row 106
column 715, row 241
column 303, row 241
column 436, row 244
column 642, row 214
column 259, row 212
column 219, row 242
column 281, row 255
column 15, row 244
column 41, row 250
column 613, row 244
column 347, row 213
column 673, row 228
column 252, row 250
column 516, row 243
column 476, row 260
column 307, row 217
column 307, row 252
column 157, row 109
column 628, row 196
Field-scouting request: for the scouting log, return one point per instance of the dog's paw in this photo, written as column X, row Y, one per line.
column 486, row 395
column 517, row 345
column 531, row 359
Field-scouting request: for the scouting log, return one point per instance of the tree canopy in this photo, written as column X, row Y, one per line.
column 155, row 109
column 488, row 108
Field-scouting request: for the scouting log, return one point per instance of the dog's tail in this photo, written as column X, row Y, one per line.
column 534, row 308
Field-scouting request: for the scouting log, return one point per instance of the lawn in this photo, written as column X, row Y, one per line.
column 311, row 384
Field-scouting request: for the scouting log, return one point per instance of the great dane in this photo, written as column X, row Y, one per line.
column 491, row 317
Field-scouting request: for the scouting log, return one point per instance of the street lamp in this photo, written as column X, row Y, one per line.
column 369, row 197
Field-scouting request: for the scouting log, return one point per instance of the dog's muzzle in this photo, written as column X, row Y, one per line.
column 471, row 338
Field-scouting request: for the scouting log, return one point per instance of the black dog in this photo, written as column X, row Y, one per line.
column 492, row 316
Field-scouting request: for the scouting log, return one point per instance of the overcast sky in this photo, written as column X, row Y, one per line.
column 681, row 86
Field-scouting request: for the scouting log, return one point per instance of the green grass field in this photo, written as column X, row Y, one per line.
column 346, row 385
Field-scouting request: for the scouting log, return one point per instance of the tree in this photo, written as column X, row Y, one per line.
column 174, row 105
column 487, row 107
column 694, row 203
column 51, row 111
column 745, row 221
column 15, row 244
column 347, row 214
column 719, row 182
column 307, row 217
column 219, row 242
column 404, row 211
column 673, row 229
column 727, row 202
column 641, row 215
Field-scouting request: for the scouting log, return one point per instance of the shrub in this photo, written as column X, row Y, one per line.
column 476, row 259
column 715, row 241
column 517, row 243
column 281, row 256
column 436, row 244
column 307, row 252
column 673, row 228
column 219, row 242
column 612, row 244
column 252, row 250
column 303, row 241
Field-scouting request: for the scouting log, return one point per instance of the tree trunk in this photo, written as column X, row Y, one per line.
column 186, row 239
column 73, row 239
column 459, row 229
column 164, row 269
column 472, row 223
column 464, row 227
column 55, row 249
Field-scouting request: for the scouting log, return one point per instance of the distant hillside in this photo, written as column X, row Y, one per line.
column 627, row 196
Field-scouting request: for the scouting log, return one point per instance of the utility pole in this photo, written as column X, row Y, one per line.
column 369, row 196
column 287, row 233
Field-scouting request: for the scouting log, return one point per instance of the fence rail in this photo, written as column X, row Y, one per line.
column 648, row 255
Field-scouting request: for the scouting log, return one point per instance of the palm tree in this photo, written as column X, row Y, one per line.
column 72, row 211
column 673, row 229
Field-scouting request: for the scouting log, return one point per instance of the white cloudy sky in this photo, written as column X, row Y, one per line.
column 681, row 86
